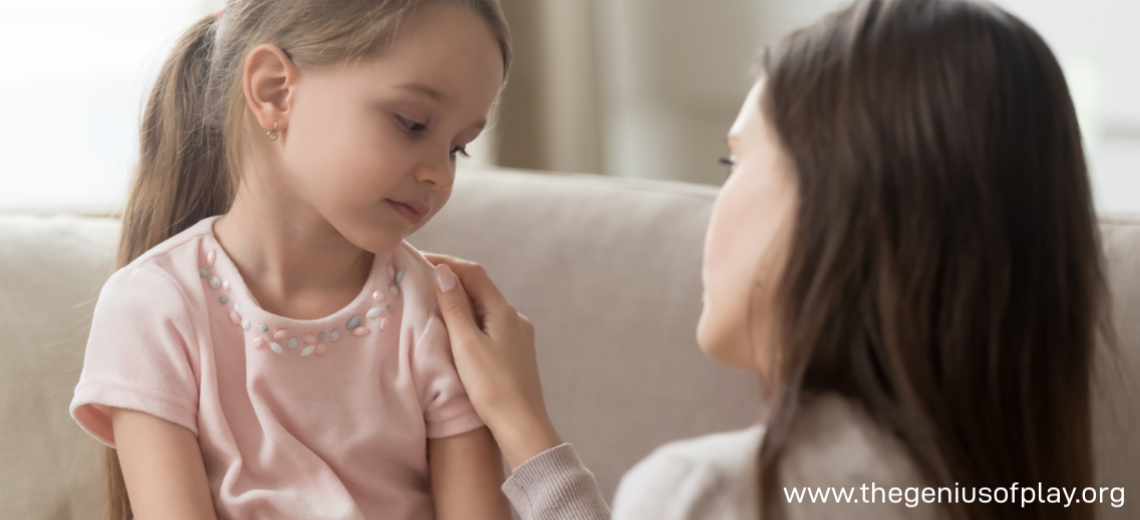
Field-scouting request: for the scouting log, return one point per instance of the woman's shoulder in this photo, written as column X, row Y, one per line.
column 707, row 477
column 834, row 444
column 835, row 441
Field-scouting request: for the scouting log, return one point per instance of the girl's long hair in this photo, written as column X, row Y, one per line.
column 945, row 270
column 191, row 131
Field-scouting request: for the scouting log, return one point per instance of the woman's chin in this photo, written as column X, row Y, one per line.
column 724, row 348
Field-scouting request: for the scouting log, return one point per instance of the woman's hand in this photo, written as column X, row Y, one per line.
column 493, row 346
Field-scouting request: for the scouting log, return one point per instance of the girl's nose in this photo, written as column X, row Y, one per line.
column 441, row 174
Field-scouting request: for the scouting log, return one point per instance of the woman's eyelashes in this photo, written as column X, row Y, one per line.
column 459, row 150
column 730, row 162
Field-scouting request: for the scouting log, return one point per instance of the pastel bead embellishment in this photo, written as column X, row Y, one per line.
column 352, row 322
column 274, row 346
column 215, row 282
column 393, row 290
column 258, row 343
column 237, row 307
column 224, row 299
column 245, row 324
column 210, row 256
column 379, row 296
column 265, row 328
column 383, row 323
column 320, row 348
column 226, row 286
column 308, row 350
column 374, row 312
column 203, row 272
column 334, row 335
column 361, row 331
column 400, row 275
column 235, row 317
column 310, row 339
column 321, row 336
column 293, row 342
column 281, row 333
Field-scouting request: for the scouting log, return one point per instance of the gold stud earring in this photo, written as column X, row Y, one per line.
column 273, row 135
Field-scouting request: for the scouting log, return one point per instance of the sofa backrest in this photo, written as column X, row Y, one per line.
column 607, row 269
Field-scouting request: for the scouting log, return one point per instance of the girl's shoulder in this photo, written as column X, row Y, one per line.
column 170, row 268
column 415, row 276
column 180, row 254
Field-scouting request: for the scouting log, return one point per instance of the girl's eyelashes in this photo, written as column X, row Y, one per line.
column 415, row 127
column 411, row 126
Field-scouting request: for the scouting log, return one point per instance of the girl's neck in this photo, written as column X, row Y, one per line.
column 287, row 252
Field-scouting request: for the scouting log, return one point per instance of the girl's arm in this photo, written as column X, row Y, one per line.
column 162, row 467
column 466, row 474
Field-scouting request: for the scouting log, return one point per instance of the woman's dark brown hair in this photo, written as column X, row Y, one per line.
column 945, row 269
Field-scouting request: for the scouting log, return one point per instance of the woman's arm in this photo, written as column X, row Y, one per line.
column 466, row 472
column 493, row 347
column 162, row 467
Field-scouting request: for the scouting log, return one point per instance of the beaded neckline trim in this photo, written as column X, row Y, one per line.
column 283, row 340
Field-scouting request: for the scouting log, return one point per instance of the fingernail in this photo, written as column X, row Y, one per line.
column 444, row 277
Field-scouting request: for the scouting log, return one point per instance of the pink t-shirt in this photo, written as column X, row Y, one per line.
column 313, row 419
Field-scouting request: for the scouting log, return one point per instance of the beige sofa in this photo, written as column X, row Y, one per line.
column 608, row 269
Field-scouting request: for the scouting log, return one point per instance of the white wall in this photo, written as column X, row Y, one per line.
column 643, row 88
column 73, row 74
column 675, row 71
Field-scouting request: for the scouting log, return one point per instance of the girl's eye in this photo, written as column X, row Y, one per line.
column 459, row 150
column 412, row 126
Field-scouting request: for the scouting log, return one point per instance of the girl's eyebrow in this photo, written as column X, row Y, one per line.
column 436, row 96
column 432, row 93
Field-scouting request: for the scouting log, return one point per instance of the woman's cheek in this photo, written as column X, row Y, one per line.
column 720, row 332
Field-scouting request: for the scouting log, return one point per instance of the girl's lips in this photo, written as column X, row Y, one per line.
column 412, row 211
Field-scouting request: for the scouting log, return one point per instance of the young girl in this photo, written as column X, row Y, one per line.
column 271, row 347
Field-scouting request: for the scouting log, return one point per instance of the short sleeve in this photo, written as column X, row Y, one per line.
column 138, row 354
column 447, row 410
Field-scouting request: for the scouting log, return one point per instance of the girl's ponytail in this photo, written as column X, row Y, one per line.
column 181, row 176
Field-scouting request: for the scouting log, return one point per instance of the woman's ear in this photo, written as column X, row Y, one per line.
column 268, row 81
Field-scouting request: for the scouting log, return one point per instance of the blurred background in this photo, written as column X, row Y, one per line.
column 640, row 88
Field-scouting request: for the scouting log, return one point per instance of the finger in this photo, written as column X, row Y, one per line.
column 454, row 304
column 457, row 264
column 484, row 294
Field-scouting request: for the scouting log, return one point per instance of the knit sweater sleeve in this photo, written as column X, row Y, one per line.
column 554, row 485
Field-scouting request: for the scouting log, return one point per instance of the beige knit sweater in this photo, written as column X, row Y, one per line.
column 833, row 443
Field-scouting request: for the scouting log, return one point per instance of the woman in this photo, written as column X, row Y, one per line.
column 905, row 255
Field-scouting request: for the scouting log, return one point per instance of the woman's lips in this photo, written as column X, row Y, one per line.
column 413, row 211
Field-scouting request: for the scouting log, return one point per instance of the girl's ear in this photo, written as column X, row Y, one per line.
column 268, row 80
